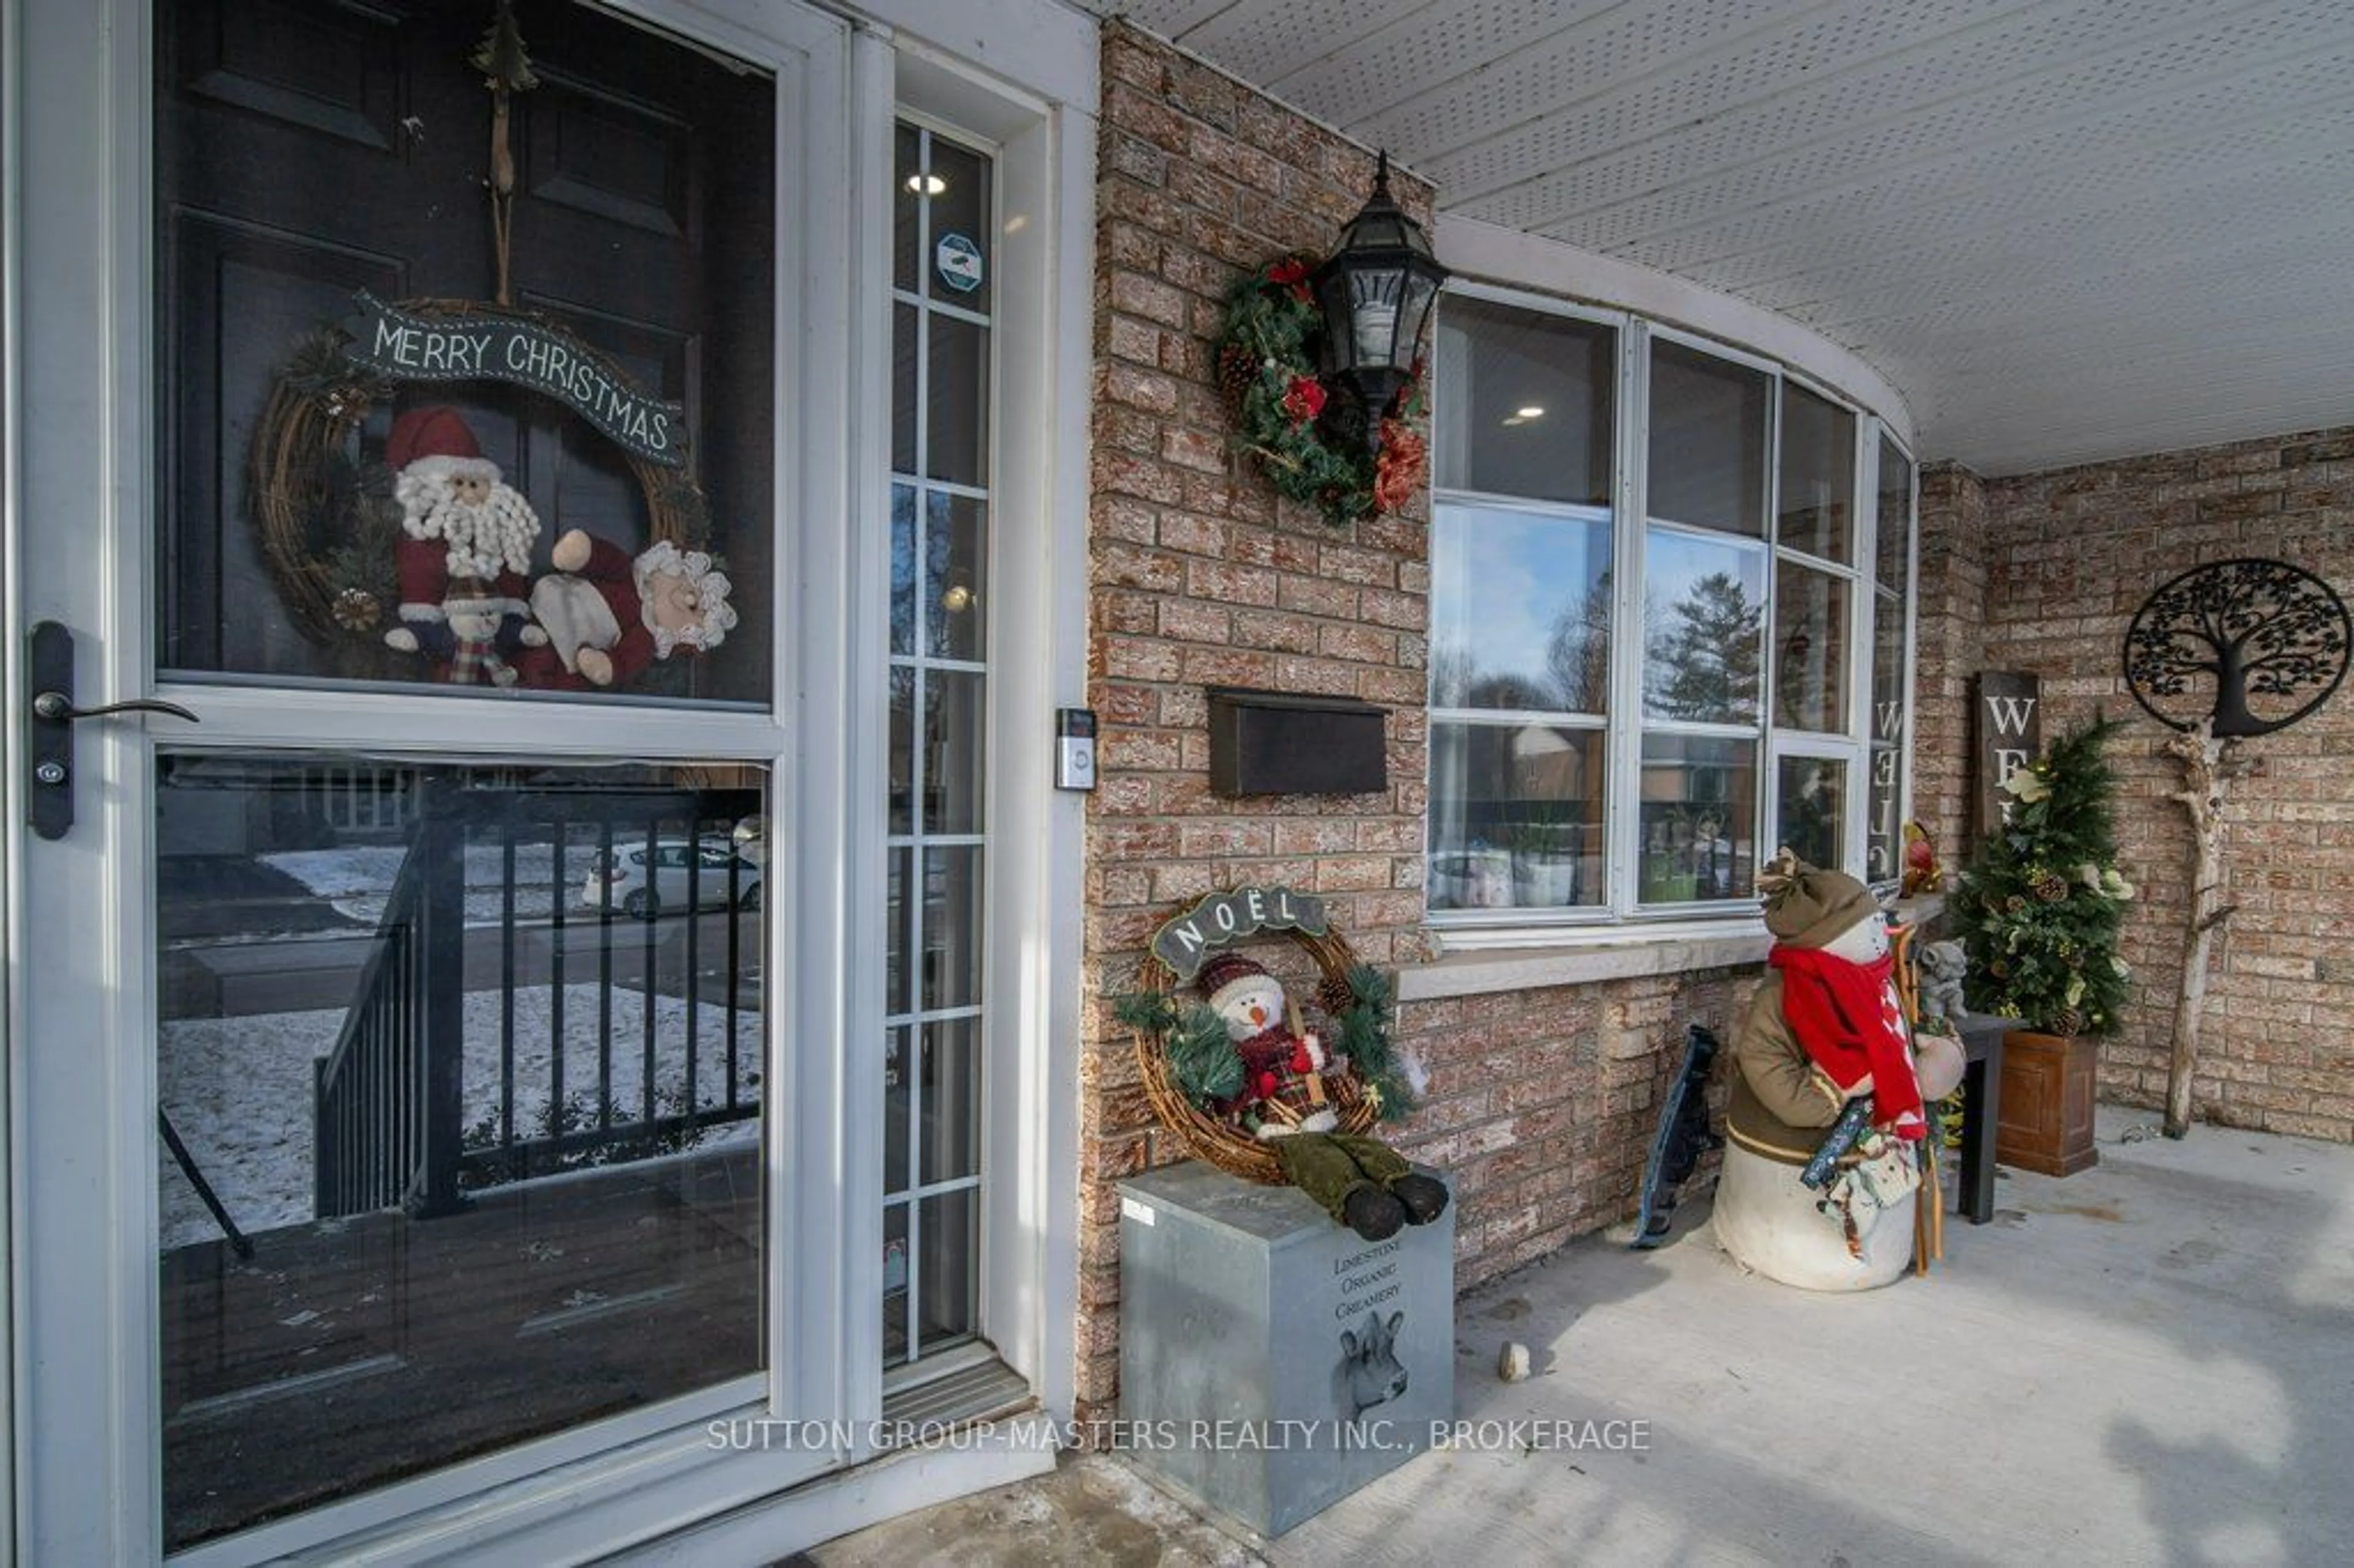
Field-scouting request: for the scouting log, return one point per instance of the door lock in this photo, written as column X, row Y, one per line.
column 48, row 727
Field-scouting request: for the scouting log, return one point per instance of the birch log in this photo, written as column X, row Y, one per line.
column 2208, row 766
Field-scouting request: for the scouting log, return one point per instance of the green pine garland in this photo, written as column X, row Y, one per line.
column 1364, row 1039
column 2040, row 906
column 1268, row 361
column 1201, row 1057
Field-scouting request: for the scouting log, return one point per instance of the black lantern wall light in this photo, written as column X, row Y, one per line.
column 1376, row 291
column 1318, row 363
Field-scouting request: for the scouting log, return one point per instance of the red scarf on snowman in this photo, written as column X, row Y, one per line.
column 1845, row 1015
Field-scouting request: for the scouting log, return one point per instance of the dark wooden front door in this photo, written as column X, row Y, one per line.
column 306, row 149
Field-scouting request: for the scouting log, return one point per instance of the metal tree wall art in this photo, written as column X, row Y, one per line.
column 2256, row 645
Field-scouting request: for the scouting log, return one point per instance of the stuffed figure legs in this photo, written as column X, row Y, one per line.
column 1360, row 1182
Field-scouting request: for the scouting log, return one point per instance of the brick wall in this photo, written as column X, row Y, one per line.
column 1948, row 648
column 1541, row 1104
column 2069, row 556
column 1201, row 575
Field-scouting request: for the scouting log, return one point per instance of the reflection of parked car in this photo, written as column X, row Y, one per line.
column 645, row 879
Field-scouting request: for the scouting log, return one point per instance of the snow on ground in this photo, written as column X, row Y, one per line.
column 358, row 880
column 239, row 1090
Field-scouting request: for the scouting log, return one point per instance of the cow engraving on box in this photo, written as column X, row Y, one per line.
column 1369, row 1374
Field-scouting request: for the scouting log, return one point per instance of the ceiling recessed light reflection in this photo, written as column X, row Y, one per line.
column 927, row 185
column 1530, row 413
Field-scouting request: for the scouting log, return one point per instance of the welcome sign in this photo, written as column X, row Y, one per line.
column 2010, row 733
column 473, row 343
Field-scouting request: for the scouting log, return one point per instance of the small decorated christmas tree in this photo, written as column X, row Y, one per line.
column 2039, row 906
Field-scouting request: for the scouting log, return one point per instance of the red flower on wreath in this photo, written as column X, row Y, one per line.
column 1409, row 397
column 1303, row 401
column 1398, row 471
column 1291, row 273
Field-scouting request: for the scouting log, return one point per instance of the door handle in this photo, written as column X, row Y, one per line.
column 48, row 727
column 58, row 705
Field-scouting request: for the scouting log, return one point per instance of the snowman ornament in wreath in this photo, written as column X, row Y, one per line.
column 1251, row 1088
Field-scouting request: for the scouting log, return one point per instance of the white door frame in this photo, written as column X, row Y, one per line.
column 1044, row 299
column 11, row 802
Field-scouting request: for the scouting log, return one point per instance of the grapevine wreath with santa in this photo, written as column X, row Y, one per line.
column 429, row 565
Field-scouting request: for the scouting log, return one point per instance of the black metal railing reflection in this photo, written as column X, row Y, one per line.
column 491, row 1040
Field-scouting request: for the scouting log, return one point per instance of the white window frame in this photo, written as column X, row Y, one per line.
column 1622, row 914
column 1852, row 750
column 920, row 1368
column 1465, row 926
column 1908, row 610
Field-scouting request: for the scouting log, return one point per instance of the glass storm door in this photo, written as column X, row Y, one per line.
column 407, row 1089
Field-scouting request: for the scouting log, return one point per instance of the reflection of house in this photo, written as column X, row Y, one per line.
column 330, row 803
column 1546, row 764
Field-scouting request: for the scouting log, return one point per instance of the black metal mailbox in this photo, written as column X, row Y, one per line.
column 1283, row 743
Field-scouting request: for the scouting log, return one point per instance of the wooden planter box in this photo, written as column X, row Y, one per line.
column 2047, row 1103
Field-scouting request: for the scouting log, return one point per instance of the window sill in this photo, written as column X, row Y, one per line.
column 1585, row 959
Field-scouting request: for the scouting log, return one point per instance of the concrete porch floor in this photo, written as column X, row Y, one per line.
column 2150, row 1362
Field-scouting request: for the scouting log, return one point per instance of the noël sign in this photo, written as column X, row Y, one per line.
column 477, row 342
column 1223, row 918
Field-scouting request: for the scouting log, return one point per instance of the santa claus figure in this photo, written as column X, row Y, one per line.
column 463, row 554
column 685, row 598
column 609, row 616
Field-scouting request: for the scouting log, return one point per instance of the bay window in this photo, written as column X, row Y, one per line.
column 1665, row 636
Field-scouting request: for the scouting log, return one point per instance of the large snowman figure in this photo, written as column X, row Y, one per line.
column 1824, row 1028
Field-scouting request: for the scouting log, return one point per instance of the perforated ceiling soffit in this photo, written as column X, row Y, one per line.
column 2065, row 231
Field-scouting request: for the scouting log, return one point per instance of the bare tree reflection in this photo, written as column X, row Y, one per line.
column 1577, row 653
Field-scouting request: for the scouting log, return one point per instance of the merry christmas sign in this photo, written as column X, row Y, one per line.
column 478, row 342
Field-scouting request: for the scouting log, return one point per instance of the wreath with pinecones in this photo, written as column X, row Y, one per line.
column 1283, row 418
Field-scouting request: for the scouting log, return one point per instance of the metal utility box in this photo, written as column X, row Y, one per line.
column 1271, row 1362
column 1283, row 743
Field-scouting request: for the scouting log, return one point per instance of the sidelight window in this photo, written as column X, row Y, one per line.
column 932, row 1048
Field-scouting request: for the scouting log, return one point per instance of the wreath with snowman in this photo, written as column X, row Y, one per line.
column 1254, row 1085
